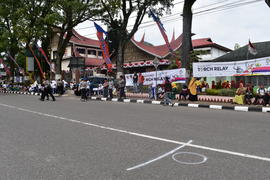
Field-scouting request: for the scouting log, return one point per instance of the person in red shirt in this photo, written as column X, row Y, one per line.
column 141, row 81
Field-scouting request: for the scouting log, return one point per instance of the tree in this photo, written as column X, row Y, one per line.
column 187, row 27
column 69, row 13
column 117, row 15
column 9, row 18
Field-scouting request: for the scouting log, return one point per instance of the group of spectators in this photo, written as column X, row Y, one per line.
column 107, row 89
column 248, row 95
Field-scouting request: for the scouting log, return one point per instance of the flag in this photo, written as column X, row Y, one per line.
column 104, row 46
column 162, row 29
column 21, row 70
column 165, row 37
column 100, row 29
column 45, row 57
column 38, row 63
column 251, row 48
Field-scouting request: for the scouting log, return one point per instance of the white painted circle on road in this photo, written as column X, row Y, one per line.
column 202, row 157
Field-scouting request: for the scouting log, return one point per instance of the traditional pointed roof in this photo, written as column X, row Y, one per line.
column 159, row 51
column 82, row 40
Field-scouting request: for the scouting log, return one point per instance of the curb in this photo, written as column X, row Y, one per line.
column 141, row 101
column 218, row 107
column 20, row 92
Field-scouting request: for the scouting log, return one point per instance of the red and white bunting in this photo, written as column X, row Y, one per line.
column 140, row 64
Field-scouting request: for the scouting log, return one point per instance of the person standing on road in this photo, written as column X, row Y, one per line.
column 141, row 81
column 192, row 87
column 135, row 82
column 122, row 85
column 168, row 92
column 48, row 90
column 105, row 88
column 110, row 88
column 82, row 87
column 42, row 90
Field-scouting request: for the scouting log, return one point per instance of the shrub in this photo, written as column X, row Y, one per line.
column 227, row 92
column 212, row 91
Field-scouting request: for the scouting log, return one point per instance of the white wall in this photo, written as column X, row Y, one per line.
column 65, row 64
column 214, row 53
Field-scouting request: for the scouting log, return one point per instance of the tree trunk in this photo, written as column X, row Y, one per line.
column 62, row 44
column 120, row 59
column 187, row 27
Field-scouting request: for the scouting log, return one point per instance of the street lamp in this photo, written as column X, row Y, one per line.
column 156, row 63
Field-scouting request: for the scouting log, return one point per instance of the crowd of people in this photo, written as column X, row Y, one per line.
column 110, row 88
column 247, row 95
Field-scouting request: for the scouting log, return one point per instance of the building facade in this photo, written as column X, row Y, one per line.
column 84, row 54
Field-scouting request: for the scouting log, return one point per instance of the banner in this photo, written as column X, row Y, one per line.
column 254, row 67
column 175, row 75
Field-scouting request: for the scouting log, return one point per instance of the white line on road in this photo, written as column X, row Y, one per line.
column 142, row 135
column 158, row 158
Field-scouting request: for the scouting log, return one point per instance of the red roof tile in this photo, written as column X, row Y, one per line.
column 79, row 39
column 159, row 51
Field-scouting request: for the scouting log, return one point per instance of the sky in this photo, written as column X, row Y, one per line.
column 226, row 27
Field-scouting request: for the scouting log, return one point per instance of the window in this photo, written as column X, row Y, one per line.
column 91, row 52
column 81, row 50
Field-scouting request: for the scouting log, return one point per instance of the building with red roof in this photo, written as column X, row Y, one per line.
column 85, row 53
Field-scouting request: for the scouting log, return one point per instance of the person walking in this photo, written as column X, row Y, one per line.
column 48, row 90
column 42, row 90
column 122, row 85
column 82, row 87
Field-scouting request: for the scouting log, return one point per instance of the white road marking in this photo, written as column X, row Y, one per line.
column 142, row 135
column 204, row 158
column 158, row 158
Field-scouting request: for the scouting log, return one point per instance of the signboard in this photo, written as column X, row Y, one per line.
column 260, row 66
column 29, row 63
column 175, row 75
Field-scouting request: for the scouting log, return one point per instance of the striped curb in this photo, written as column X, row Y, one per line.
column 141, row 101
column 217, row 107
column 20, row 92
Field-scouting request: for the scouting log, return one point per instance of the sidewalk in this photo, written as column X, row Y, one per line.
column 145, row 100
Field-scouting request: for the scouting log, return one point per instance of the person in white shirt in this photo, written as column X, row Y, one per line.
column 261, row 91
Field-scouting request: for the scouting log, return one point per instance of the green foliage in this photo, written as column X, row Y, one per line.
column 212, row 91
column 221, row 92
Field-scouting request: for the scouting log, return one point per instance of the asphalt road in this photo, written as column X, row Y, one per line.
column 73, row 140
